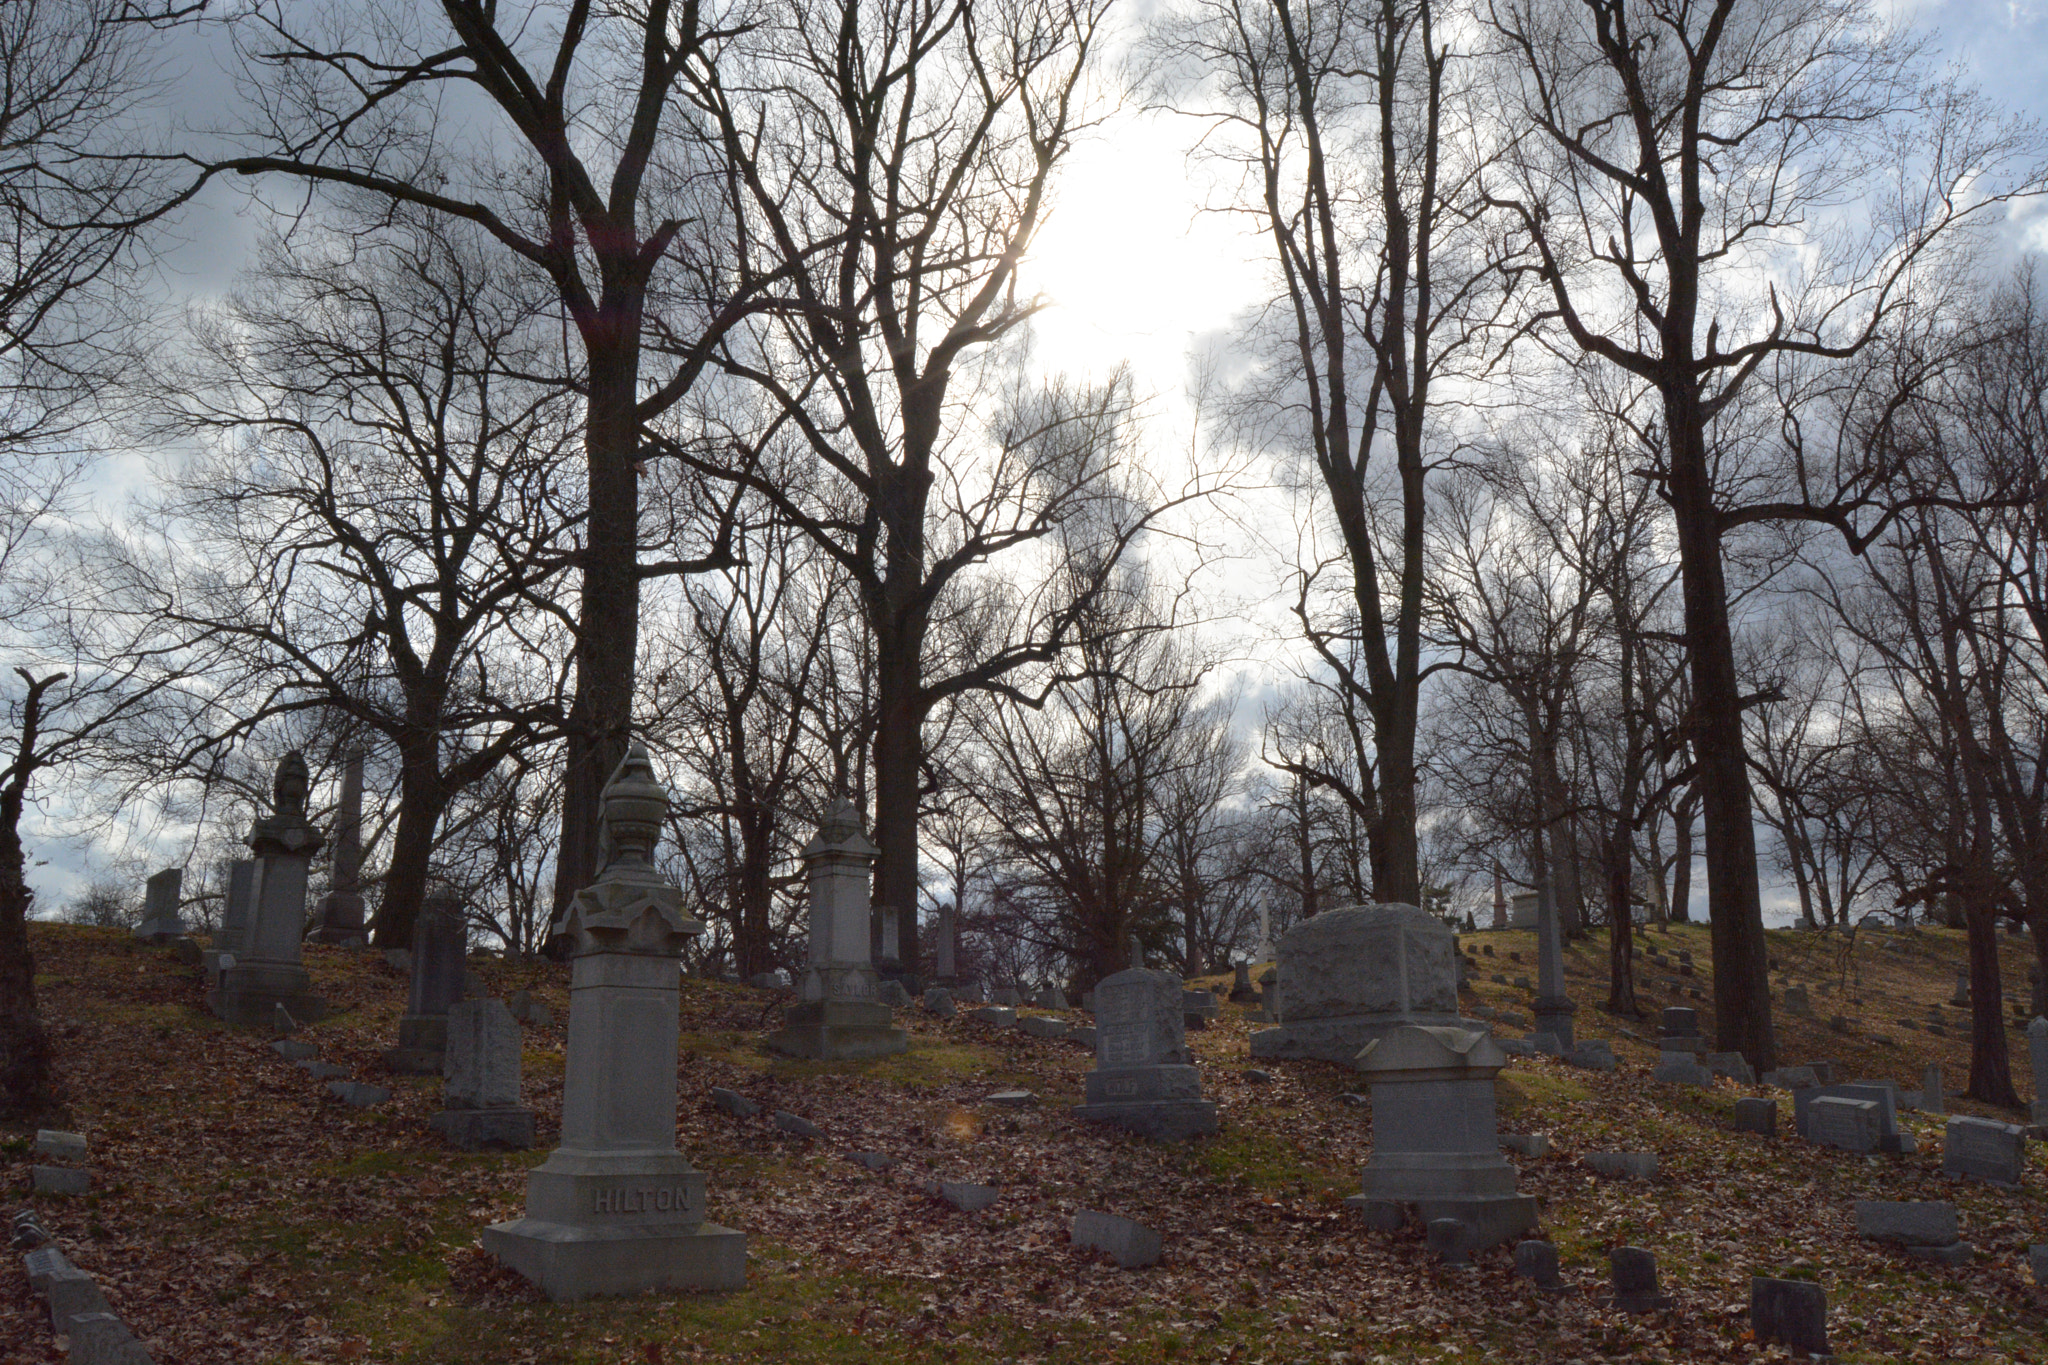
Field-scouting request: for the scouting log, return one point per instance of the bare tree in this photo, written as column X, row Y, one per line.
column 1665, row 152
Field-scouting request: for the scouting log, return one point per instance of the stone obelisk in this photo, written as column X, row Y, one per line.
column 340, row 917
column 1552, row 1007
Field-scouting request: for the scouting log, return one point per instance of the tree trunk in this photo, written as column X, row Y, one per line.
column 1990, row 1064
column 752, row 937
column 608, row 615
column 1621, row 979
column 899, row 758
column 1742, row 999
column 422, row 801
column 1681, row 863
column 25, row 1091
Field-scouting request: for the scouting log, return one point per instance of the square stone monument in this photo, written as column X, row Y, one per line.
column 616, row 1209
column 1353, row 975
column 1435, row 1141
column 269, row 971
column 1144, row 1081
column 440, row 955
column 480, row 1098
column 2037, row 1056
column 1984, row 1149
column 839, row 1012
column 234, row 916
column 160, row 921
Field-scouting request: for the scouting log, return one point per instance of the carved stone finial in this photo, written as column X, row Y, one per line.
column 288, row 789
column 631, row 906
column 634, row 804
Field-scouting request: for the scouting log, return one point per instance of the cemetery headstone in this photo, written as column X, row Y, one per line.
column 1552, row 1008
column 480, row 1093
column 1353, row 975
column 1797, row 1001
column 1932, row 1098
column 1008, row 996
column 2037, row 1056
column 1922, row 1223
column 1961, row 999
column 1838, row 1121
column 1623, row 1165
column 1756, row 1116
column 160, row 920
column 1635, row 1280
column 1536, row 1261
column 1679, row 1030
column 1732, row 1065
column 1889, row 1137
column 1198, row 1008
column 1681, row 1067
column 269, row 972
column 1984, row 1149
column 1144, row 1081
column 1054, row 998
column 1791, row 1312
column 1130, row 1244
column 1242, row 991
column 339, row 916
column 440, row 944
column 839, row 1011
column 616, row 1209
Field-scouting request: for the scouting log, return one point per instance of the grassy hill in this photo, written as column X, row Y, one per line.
column 239, row 1214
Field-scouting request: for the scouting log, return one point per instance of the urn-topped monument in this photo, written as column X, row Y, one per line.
column 616, row 1208
column 839, row 1012
column 268, row 970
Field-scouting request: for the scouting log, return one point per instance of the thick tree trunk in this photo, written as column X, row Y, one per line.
column 1621, row 977
column 752, row 946
column 1391, row 843
column 608, row 616
column 1990, row 1063
column 422, row 801
column 1681, row 863
column 899, row 759
column 25, row 1089
column 1742, row 1000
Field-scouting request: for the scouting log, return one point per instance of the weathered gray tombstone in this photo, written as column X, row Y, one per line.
column 616, row 1209
column 1143, row 1081
column 339, row 916
column 1269, row 996
column 1634, row 1272
column 1984, row 1149
column 1682, row 1068
column 440, row 951
column 946, row 944
column 1552, row 1008
column 270, row 971
column 1961, row 999
column 1838, row 1121
column 1354, row 975
column 1536, row 1260
column 839, row 1012
column 1435, row 1142
column 1889, row 1138
column 160, row 920
column 1242, row 991
column 1932, row 1099
column 1797, row 1001
column 1130, row 1244
column 2037, row 1055
column 1791, row 1312
column 1679, row 1030
column 1756, row 1116
column 1198, row 1007
column 480, row 1092
column 240, row 894
column 1908, row 1223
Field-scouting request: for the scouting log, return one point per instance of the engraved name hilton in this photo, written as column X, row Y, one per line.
column 641, row 1199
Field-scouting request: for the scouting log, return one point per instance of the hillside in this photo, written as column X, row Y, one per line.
column 239, row 1214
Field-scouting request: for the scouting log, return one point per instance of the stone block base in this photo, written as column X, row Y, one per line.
column 570, row 1263
column 413, row 1061
column 839, row 1029
column 1489, row 1221
column 1339, row 1040
column 249, row 993
column 1159, row 1120
column 473, row 1129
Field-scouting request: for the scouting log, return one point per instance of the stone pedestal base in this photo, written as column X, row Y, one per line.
column 1489, row 1221
column 474, row 1129
column 1554, row 1016
column 835, row 1029
column 1159, row 1120
column 249, row 993
column 422, row 1038
column 570, row 1262
column 1337, row 1039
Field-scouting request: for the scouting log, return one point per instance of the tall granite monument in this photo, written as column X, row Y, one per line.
column 838, row 1011
column 160, row 919
column 339, row 918
column 269, row 970
column 616, row 1209
column 440, row 953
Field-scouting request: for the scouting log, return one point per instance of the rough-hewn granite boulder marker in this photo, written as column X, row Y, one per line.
column 616, row 1208
column 838, row 1013
column 1144, row 1081
column 269, row 968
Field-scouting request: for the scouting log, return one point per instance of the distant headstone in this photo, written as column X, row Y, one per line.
column 440, row 943
column 480, row 1091
column 939, row 1001
column 840, row 1011
column 1932, row 1098
column 1961, row 999
column 1198, row 1008
column 1984, row 1149
column 1144, row 1081
column 1635, row 1280
column 1681, row 1067
column 1882, row 1094
column 1242, row 991
column 1593, row 1054
column 1009, row 996
column 2037, row 1260
column 1732, row 1065
column 1131, row 1245
column 1353, row 975
column 62, row 1145
column 59, row 1180
column 1797, row 1001
column 1679, row 1030
column 339, row 916
column 1756, row 1116
column 1793, row 1313
column 1039, row 1026
column 1053, row 998
column 734, row 1103
column 1908, row 1223
column 966, row 1197
column 268, row 970
column 1536, row 1261
column 357, row 1094
column 1623, row 1165
column 1838, row 1121
column 616, row 1209
column 796, row 1125
column 160, row 920
column 999, row 1015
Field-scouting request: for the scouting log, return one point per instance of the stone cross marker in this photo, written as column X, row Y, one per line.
column 480, row 1097
column 340, row 914
column 160, row 921
column 839, row 1012
column 269, row 970
column 440, row 954
column 1143, row 1079
column 616, row 1209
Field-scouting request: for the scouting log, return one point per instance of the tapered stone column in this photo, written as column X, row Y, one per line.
column 1552, row 1007
column 838, row 1013
column 270, row 970
column 616, row 1209
column 340, row 915
column 440, row 959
